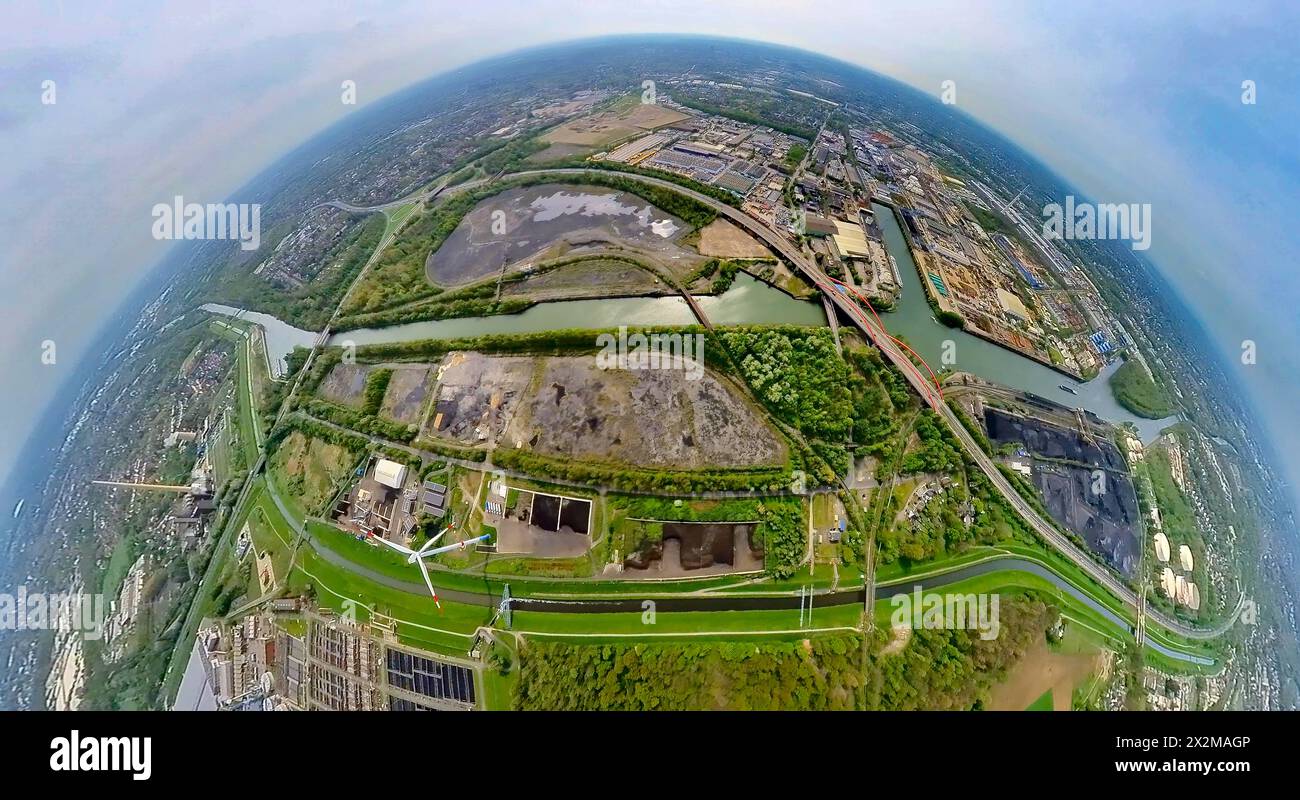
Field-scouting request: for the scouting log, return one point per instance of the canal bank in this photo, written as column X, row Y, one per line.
column 748, row 301
column 932, row 299
column 634, row 603
column 281, row 338
column 913, row 321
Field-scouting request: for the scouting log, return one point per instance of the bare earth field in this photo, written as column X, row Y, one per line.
column 568, row 407
column 519, row 538
column 407, row 392
column 600, row 130
column 643, row 417
column 345, row 384
column 723, row 239
column 559, row 152
column 697, row 548
column 476, row 394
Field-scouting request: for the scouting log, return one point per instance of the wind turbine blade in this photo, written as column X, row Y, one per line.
column 458, row 546
column 428, row 582
column 399, row 548
column 433, row 540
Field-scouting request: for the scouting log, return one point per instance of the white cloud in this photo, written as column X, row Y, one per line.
column 157, row 99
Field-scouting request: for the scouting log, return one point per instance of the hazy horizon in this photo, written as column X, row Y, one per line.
column 1129, row 105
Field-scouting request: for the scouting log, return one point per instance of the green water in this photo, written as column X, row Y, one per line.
column 748, row 302
column 913, row 321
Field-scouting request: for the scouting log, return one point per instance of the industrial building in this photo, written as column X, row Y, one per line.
column 390, row 473
column 1012, row 306
column 380, row 503
column 850, row 240
column 434, row 498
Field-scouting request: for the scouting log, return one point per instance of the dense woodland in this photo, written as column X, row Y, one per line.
column 880, row 395
column 936, row 450
column 634, row 479
column 951, row 670
column 937, row 669
column 1135, row 390
column 361, row 421
column 376, row 386
column 798, row 375
column 825, row 675
column 783, row 531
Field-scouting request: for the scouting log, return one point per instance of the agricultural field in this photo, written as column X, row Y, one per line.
column 1045, row 672
column 604, row 129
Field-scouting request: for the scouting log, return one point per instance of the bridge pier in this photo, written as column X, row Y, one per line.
column 834, row 320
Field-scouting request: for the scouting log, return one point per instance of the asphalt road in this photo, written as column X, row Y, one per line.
column 632, row 604
column 867, row 323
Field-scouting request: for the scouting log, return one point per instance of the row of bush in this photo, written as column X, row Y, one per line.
column 635, row 479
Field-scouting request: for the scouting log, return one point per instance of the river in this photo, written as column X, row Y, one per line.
column 281, row 337
column 913, row 321
column 748, row 302
column 751, row 302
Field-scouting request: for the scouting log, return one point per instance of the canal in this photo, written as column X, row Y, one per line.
column 751, row 302
column 913, row 321
column 281, row 337
column 748, row 302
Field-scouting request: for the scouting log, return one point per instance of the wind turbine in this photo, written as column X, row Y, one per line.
column 417, row 556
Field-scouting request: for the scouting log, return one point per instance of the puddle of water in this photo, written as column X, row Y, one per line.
column 563, row 203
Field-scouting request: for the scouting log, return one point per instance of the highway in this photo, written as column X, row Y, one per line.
column 893, row 350
column 867, row 322
column 422, row 195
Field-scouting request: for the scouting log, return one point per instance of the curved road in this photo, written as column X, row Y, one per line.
column 933, row 397
column 885, row 343
column 741, row 602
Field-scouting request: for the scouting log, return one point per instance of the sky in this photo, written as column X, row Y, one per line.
column 1130, row 102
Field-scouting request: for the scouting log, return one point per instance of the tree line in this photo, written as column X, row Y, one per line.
column 936, row 670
